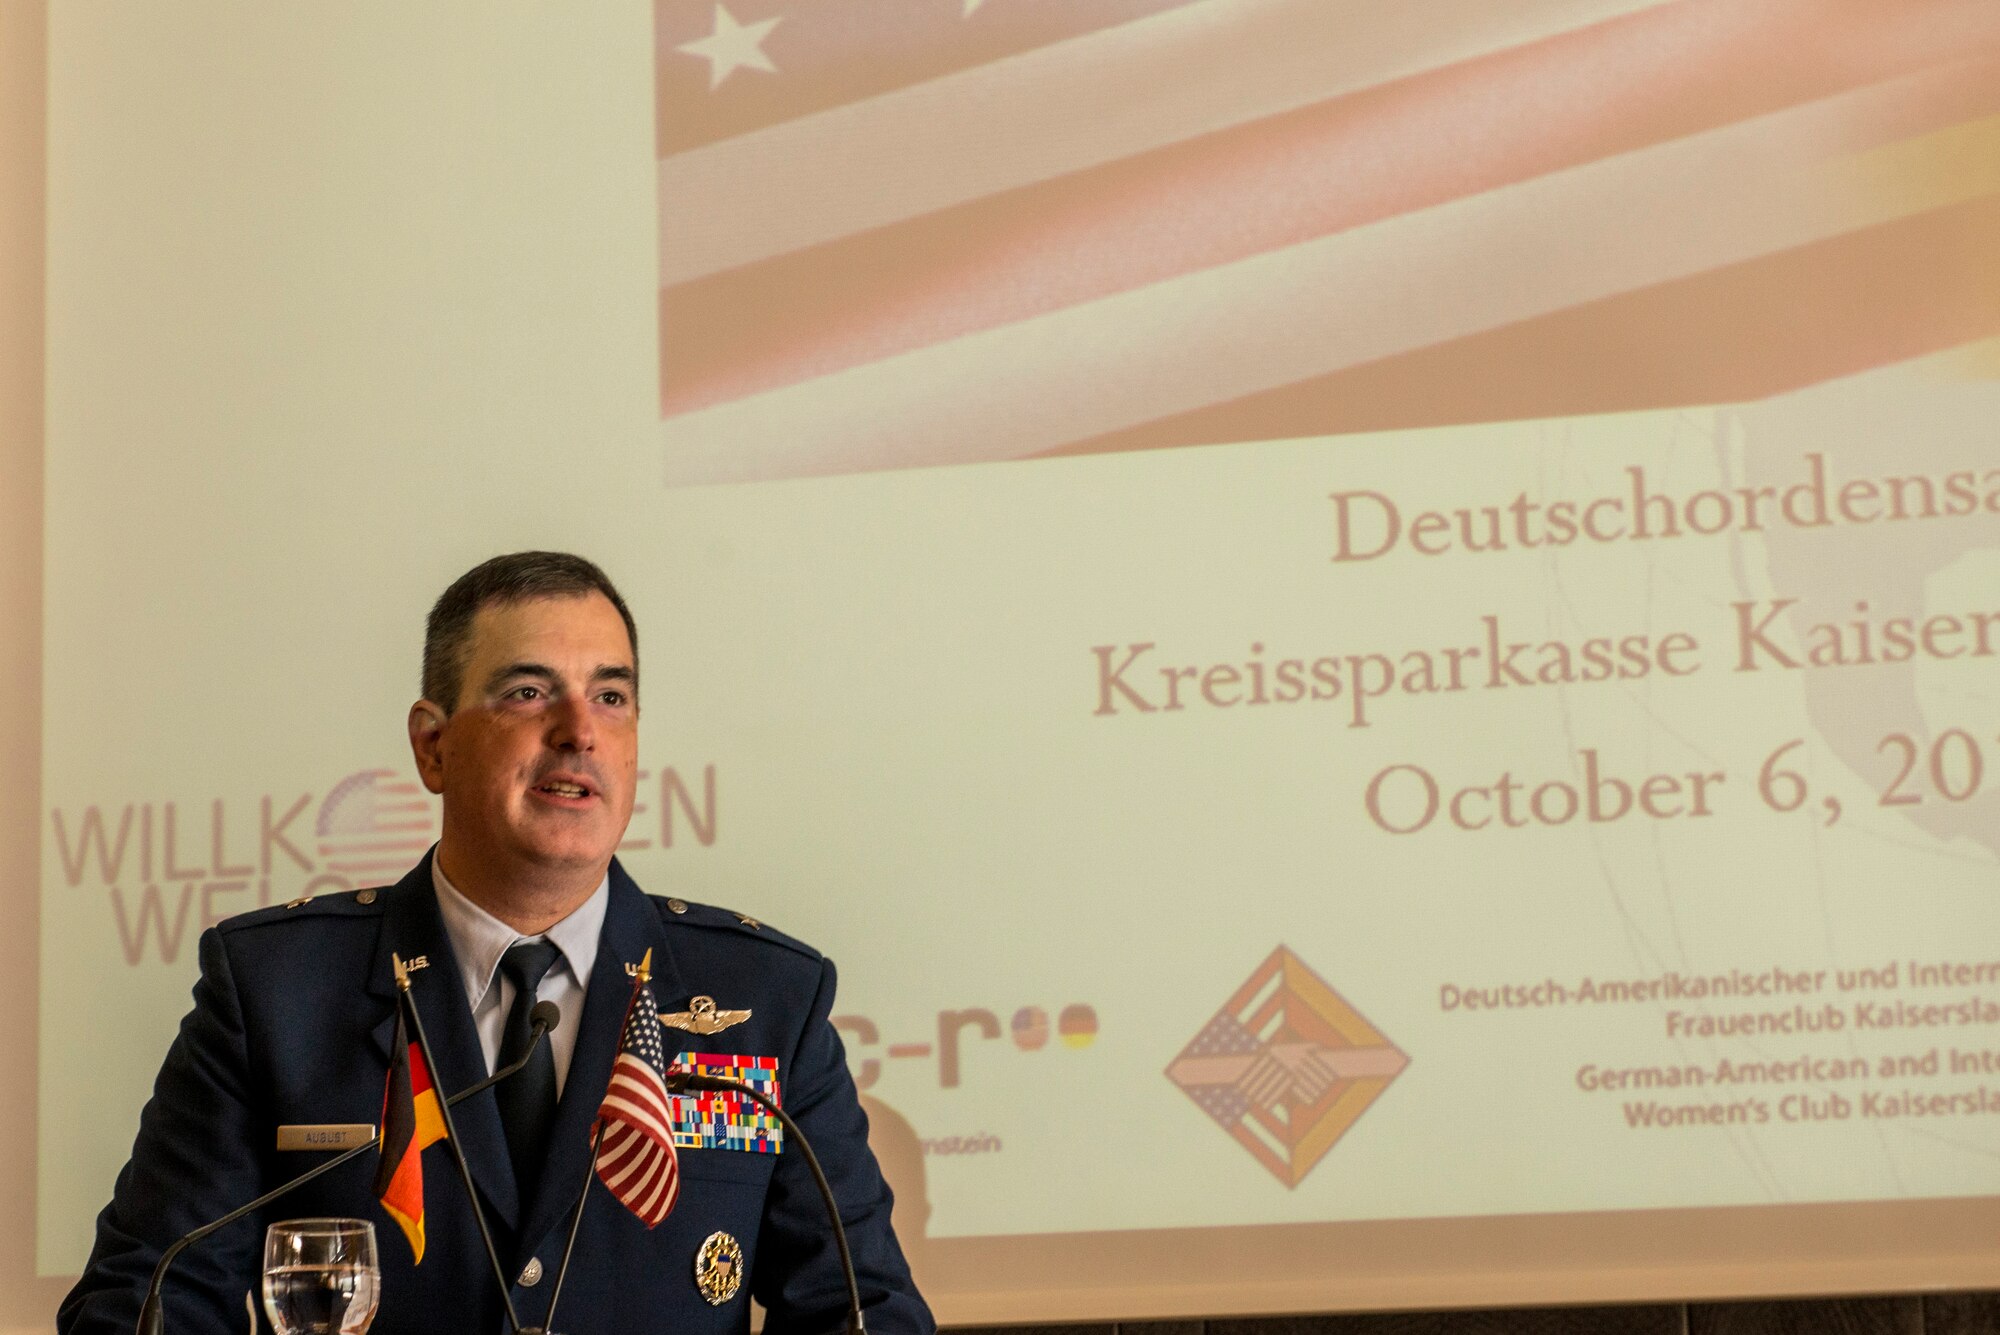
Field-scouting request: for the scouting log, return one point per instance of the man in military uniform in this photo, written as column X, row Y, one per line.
column 528, row 730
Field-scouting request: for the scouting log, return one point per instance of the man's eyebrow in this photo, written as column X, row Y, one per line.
column 604, row 672
column 512, row 670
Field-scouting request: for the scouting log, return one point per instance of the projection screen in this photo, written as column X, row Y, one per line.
column 1372, row 631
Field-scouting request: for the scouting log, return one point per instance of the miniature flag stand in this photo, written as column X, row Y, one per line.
column 450, row 1134
column 632, row 1142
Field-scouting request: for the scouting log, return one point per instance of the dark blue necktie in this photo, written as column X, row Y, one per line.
column 528, row 1097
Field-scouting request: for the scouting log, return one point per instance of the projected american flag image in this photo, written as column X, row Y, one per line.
column 914, row 232
column 373, row 826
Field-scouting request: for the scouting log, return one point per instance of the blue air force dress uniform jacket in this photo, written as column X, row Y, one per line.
column 293, row 1019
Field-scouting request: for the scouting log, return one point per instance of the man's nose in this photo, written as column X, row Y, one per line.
column 571, row 727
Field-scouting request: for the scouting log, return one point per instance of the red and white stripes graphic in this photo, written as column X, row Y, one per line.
column 373, row 826
column 928, row 231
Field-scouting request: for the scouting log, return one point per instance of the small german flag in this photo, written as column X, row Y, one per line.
column 411, row 1121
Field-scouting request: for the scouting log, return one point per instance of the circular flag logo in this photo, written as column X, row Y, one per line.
column 1031, row 1028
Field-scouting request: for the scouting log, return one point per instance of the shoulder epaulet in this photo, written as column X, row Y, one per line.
column 342, row 904
column 688, row 913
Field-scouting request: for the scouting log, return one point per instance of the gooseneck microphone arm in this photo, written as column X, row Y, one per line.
column 152, row 1320
column 681, row 1082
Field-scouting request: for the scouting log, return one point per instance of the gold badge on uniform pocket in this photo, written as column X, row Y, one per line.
column 718, row 1268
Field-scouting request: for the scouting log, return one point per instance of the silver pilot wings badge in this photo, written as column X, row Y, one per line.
column 702, row 1017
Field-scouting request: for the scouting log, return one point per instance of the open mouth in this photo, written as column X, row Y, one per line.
column 563, row 788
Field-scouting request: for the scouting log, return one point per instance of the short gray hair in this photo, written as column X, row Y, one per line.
column 515, row 578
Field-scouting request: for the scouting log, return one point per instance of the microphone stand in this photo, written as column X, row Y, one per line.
column 680, row 1082
column 152, row 1319
column 575, row 1221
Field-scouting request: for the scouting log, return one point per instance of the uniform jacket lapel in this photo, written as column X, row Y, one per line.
column 412, row 927
column 631, row 928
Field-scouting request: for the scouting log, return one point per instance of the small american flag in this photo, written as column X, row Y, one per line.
column 636, row 1157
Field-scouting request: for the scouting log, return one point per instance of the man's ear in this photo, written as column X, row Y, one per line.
column 427, row 743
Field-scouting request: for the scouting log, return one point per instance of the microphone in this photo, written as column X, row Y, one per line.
column 544, row 1017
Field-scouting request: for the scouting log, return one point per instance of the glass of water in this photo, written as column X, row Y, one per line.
column 320, row 1276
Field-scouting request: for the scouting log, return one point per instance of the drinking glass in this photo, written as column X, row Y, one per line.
column 320, row 1276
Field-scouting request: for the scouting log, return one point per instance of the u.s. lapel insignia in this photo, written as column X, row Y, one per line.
column 701, row 1017
column 718, row 1268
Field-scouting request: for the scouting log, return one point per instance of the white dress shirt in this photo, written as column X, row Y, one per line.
column 479, row 940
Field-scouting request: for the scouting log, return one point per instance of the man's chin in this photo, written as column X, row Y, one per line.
column 544, row 853
column 567, row 835
column 571, row 858
column 538, row 846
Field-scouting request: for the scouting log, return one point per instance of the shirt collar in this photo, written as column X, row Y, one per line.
column 479, row 939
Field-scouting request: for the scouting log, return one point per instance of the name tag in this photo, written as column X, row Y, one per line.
column 328, row 1136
